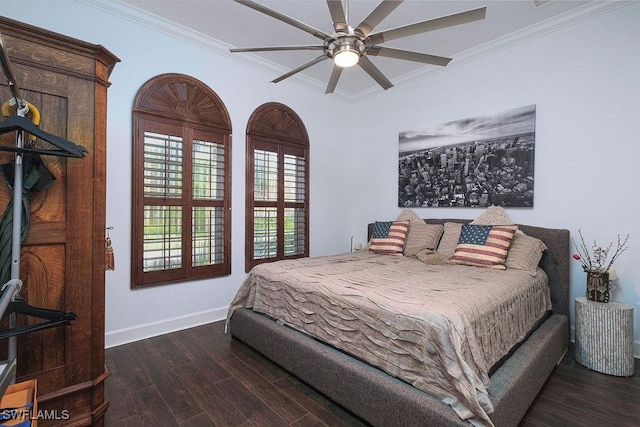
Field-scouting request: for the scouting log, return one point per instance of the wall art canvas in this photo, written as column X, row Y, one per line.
column 475, row 162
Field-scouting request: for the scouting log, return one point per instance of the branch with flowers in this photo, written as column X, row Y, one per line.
column 596, row 260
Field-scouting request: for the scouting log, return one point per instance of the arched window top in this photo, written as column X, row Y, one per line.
column 277, row 186
column 178, row 95
column 181, row 183
column 275, row 120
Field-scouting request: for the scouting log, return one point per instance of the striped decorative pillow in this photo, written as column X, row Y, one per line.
column 484, row 245
column 389, row 237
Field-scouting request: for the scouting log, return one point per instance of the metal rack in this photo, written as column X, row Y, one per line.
column 12, row 288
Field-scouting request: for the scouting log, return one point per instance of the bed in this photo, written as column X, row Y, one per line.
column 381, row 395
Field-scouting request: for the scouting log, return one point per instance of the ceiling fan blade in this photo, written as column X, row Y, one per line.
column 388, row 52
column 333, row 81
column 300, row 68
column 274, row 48
column 337, row 16
column 430, row 25
column 300, row 25
column 376, row 16
column 373, row 71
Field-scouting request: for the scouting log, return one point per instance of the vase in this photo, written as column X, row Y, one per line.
column 598, row 286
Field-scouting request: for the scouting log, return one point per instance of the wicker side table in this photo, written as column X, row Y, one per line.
column 604, row 336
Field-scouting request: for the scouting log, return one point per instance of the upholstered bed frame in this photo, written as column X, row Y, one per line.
column 383, row 400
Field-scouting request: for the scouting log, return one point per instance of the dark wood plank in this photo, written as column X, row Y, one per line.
column 325, row 410
column 132, row 421
column 249, row 404
column 551, row 414
column 554, row 390
column 151, row 408
column 580, row 380
column 213, row 401
column 268, row 369
column 130, row 367
column 609, row 410
column 183, row 404
column 201, row 420
column 170, row 353
column 279, row 402
column 207, row 348
column 217, row 380
column 117, row 388
column 308, row 420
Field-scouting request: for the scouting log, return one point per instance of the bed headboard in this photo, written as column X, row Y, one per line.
column 555, row 260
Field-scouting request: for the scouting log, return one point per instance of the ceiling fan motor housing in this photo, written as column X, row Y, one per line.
column 345, row 45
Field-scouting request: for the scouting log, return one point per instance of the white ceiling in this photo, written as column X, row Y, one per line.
column 236, row 25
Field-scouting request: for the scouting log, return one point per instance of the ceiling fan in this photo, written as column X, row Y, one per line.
column 348, row 46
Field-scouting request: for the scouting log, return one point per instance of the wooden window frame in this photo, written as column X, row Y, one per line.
column 275, row 128
column 180, row 106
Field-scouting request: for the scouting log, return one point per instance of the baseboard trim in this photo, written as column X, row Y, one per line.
column 165, row 326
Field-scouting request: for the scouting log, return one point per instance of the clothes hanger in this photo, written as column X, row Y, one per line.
column 19, row 123
column 14, row 332
column 53, row 317
column 20, row 305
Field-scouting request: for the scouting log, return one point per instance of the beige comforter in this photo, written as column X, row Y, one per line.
column 437, row 327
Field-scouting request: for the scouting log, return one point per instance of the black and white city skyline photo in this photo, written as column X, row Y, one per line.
column 476, row 162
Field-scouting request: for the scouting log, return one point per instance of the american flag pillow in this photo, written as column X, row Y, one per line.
column 484, row 245
column 389, row 237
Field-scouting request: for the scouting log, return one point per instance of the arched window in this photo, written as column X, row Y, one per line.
column 277, row 193
column 181, row 228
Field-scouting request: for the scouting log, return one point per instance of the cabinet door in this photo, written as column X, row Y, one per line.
column 42, row 266
column 62, row 257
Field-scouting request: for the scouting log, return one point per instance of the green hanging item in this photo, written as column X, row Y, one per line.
column 36, row 177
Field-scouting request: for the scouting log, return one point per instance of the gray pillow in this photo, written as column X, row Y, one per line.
column 421, row 235
column 449, row 240
column 494, row 215
column 525, row 253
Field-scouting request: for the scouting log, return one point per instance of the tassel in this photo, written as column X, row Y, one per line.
column 109, row 259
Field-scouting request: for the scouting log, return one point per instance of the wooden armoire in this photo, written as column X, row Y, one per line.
column 63, row 255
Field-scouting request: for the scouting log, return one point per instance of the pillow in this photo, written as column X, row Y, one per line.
column 388, row 237
column 484, row 245
column 525, row 253
column 430, row 257
column 449, row 241
column 494, row 215
column 420, row 235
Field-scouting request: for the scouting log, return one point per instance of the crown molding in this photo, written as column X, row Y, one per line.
column 171, row 29
column 156, row 23
column 524, row 35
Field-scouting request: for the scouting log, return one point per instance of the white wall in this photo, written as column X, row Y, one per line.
column 583, row 80
column 584, row 83
column 144, row 53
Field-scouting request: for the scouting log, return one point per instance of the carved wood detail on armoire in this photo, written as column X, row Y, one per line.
column 62, row 260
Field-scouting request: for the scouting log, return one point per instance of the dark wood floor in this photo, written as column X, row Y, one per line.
column 202, row 377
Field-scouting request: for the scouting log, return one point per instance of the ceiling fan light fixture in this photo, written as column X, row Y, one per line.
column 346, row 51
column 346, row 57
